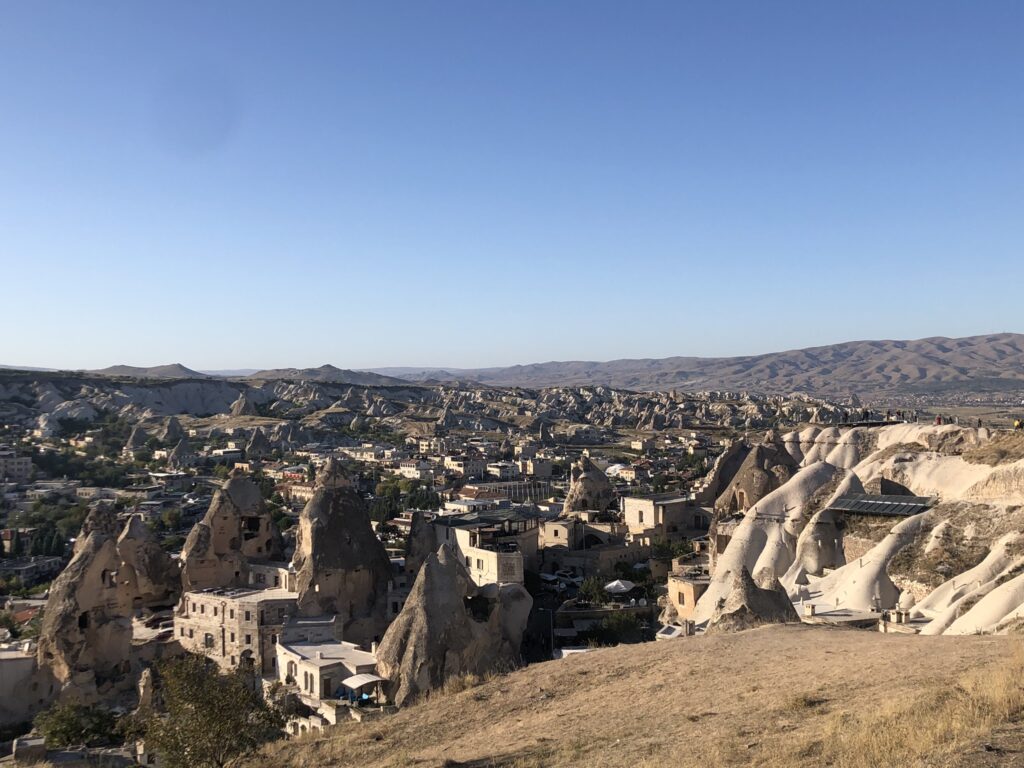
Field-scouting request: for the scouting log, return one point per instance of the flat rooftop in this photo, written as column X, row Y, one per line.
column 330, row 653
column 238, row 593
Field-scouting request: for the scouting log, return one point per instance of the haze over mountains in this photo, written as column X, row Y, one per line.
column 992, row 362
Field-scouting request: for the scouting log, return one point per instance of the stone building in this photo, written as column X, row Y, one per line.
column 235, row 627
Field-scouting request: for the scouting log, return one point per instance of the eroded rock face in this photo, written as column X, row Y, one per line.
column 448, row 628
column 750, row 604
column 86, row 634
column 341, row 566
column 258, row 445
column 236, row 528
column 590, row 488
column 137, row 439
column 420, row 544
column 181, row 456
column 149, row 574
column 765, row 468
column 172, row 432
column 243, row 406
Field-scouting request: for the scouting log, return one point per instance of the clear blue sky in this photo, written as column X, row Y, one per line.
column 248, row 184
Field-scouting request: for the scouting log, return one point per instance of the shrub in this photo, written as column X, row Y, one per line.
column 67, row 725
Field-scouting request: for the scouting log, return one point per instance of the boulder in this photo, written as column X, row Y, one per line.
column 149, row 574
column 750, row 604
column 590, row 489
column 448, row 628
column 236, row 528
column 341, row 566
column 86, row 634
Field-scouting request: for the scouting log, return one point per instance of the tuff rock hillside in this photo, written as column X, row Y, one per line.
column 342, row 567
column 289, row 412
column 449, row 627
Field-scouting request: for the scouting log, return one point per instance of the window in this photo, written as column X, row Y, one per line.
column 248, row 639
column 190, row 633
column 231, row 613
column 232, row 637
column 208, row 640
column 641, row 517
column 479, row 564
column 193, row 607
column 248, row 615
column 182, row 631
column 215, row 610
column 202, row 609
column 681, row 598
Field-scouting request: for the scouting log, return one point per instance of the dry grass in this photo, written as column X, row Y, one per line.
column 789, row 695
column 933, row 727
column 1003, row 448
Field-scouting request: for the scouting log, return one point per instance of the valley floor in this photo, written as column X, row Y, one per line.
column 775, row 696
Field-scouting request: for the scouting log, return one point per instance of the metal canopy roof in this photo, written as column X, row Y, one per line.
column 358, row 681
column 882, row 506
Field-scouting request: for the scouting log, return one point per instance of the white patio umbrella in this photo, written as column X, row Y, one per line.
column 619, row 586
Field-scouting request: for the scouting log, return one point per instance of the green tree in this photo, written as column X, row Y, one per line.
column 208, row 719
column 172, row 543
column 56, row 544
column 592, row 590
column 66, row 725
column 171, row 518
column 663, row 548
column 266, row 485
column 424, row 498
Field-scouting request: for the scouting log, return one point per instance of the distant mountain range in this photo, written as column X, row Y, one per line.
column 926, row 366
column 330, row 374
column 172, row 371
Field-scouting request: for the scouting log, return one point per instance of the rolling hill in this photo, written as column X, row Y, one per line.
column 172, row 371
column 772, row 697
column 329, row 373
column 925, row 366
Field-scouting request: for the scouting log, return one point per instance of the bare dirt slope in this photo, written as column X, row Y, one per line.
column 771, row 696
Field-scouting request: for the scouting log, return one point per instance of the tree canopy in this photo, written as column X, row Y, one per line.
column 208, row 718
